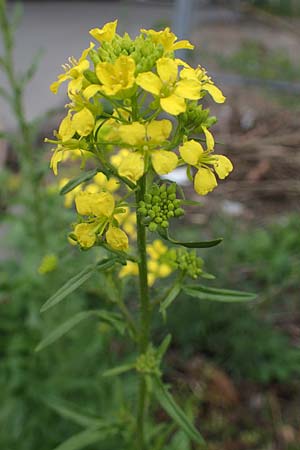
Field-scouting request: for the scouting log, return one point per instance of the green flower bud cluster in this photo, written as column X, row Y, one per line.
column 194, row 117
column 160, row 205
column 143, row 50
column 148, row 362
column 187, row 261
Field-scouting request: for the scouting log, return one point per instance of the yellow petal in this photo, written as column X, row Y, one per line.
column 223, row 166
column 191, row 152
column 105, row 34
column 55, row 159
column 149, row 82
column 173, row 104
column 85, row 234
column 210, row 142
column 159, row 130
column 91, row 91
column 167, row 70
column 204, row 181
column 131, row 268
column 132, row 166
column 215, row 92
column 188, row 89
column 133, row 134
column 83, row 122
column 116, row 238
column 95, row 204
column 183, row 44
column 163, row 161
column 164, row 270
column 66, row 131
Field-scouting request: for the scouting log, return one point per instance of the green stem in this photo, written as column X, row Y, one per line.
column 145, row 313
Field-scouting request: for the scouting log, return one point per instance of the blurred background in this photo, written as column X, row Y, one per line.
column 237, row 368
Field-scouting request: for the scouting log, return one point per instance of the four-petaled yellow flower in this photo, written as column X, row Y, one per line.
column 74, row 72
column 146, row 139
column 168, row 40
column 102, row 218
column 116, row 77
column 166, row 86
column 205, row 181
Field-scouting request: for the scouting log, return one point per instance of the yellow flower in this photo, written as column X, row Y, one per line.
column 205, row 181
column 83, row 122
column 131, row 268
column 116, row 77
column 206, row 82
column 128, row 221
column 116, row 238
column 105, row 34
column 69, row 196
column 111, row 184
column 73, row 71
column 132, row 167
column 48, row 264
column 95, row 204
column 171, row 92
column 146, row 138
column 167, row 39
column 85, row 234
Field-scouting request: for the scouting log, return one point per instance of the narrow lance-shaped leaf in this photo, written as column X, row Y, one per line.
column 118, row 370
column 82, row 440
column 72, row 184
column 75, row 282
column 66, row 410
column 64, row 328
column 168, row 403
column 219, row 295
column 169, row 298
column 201, row 244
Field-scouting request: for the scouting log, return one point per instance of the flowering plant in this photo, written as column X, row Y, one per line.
column 135, row 115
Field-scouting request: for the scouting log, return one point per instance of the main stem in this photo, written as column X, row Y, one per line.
column 145, row 313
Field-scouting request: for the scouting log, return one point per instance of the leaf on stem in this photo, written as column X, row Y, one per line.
column 118, row 370
column 168, row 403
column 202, row 244
column 72, row 184
column 66, row 410
column 219, row 295
column 82, row 440
column 75, row 282
column 169, row 298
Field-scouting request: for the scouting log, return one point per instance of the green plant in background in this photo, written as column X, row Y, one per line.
column 153, row 111
column 24, row 140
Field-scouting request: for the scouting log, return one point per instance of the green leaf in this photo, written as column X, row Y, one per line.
column 203, row 244
column 64, row 328
column 118, row 370
column 65, row 409
column 72, row 184
column 168, row 403
column 219, row 295
column 32, row 69
column 75, row 282
column 170, row 297
column 164, row 346
column 82, row 440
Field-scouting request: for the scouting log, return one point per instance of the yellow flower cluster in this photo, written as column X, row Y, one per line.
column 158, row 264
column 140, row 79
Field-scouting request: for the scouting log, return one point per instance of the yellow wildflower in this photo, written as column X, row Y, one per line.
column 167, row 39
column 48, row 264
column 105, row 34
column 116, row 238
column 85, row 234
column 166, row 86
column 146, row 138
column 205, row 181
column 95, row 204
column 199, row 74
column 73, row 71
column 116, row 77
column 111, row 184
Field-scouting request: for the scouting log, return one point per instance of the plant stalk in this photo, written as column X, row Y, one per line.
column 145, row 314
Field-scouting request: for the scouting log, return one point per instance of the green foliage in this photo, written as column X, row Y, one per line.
column 242, row 338
column 254, row 60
